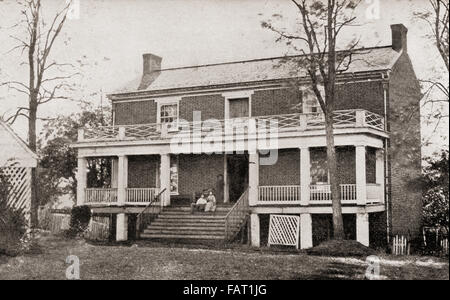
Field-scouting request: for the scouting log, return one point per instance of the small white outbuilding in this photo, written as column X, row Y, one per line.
column 16, row 162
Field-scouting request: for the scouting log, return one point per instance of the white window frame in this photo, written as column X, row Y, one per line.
column 308, row 108
column 166, row 102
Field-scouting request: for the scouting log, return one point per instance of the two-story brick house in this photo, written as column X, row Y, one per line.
column 244, row 130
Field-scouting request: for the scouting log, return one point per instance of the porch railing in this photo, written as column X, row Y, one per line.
column 236, row 217
column 148, row 214
column 321, row 193
column 101, row 195
column 286, row 122
column 140, row 195
column 279, row 194
column 374, row 193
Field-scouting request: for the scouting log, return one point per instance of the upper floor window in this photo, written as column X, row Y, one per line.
column 168, row 113
column 309, row 100
column 239, row 108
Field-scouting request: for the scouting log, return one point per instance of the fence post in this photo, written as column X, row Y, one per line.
column 360, row 118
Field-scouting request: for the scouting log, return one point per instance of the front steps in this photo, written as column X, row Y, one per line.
column 177, row 223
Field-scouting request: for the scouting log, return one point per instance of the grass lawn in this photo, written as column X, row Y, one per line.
column 156, row 261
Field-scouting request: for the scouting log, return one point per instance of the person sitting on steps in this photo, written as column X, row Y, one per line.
column 200, row 204
column 211, row 202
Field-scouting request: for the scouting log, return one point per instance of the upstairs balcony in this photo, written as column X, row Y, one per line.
column 298, row 123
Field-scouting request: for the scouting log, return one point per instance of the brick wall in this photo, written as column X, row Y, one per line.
column 277, row 101
column 286, row 171
column 140, row 112
column 198, row 172
column 364, row 95
column 211, row 107
column 367, row 95
column 143, row 171
column 404, row 150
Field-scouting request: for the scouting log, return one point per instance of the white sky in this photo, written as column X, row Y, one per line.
column 110, row 36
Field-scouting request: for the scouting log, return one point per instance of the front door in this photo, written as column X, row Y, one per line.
column 237, row 175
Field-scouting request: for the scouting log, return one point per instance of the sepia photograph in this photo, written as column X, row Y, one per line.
column 227, row 146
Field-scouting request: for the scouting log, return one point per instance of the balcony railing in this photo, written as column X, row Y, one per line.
column 141, row 195
column 101, row 196
column 321, row 193
column 133, row 196
column 318, row 194
column 279, row 194
column 267, row 195
column 287, row 122
column 374, row 193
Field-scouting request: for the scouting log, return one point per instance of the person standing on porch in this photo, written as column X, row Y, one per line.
column 211, row 202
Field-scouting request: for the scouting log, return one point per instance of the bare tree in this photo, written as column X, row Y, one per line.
column 437, row 17
column 316, row 38
column 44, row 82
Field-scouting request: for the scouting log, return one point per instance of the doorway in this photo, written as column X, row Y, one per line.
column 237, row 172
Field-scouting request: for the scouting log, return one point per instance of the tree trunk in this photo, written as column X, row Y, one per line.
column 338, row 223
column 330, row 85
column 32, row 144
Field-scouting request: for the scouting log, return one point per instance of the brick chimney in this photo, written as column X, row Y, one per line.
column 151, row 68
column 151, row 63
column 399, row 37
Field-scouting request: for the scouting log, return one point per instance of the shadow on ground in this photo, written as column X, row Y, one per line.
column 338, row 271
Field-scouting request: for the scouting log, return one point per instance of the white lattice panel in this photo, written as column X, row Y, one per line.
column 20, row 194
column 284, row 230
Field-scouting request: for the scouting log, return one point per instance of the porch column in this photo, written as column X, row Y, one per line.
column 305, row 175
column 226, row 195
column 362, row 228
column 360, row 168
column 122, row 227
column 164, row 179
column 305, row 231
column 114, row 172
column 81, row 181
column 122, row 179
column 254, row 230
column 253, row 178
column 379, row 170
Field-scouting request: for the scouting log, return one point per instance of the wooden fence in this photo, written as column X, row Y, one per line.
column 98, row 229
column 58, row 221
column 400, row 245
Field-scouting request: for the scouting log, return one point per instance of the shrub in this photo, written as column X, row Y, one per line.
column 79, row 220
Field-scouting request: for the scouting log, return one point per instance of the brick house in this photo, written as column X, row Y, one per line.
column 244, row 130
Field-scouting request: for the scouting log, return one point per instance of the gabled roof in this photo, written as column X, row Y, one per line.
column 14, row 150
column 258, row 70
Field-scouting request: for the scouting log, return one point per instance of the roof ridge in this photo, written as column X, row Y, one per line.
column 262, row 59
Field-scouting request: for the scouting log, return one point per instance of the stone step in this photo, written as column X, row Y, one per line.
column 199, row 214
column 191, row 217
column 188, row 208
column 185, row 232
column 184, row 228
column 179, row 223
column 182, row 236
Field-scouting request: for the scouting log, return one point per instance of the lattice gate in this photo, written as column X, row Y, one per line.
column 20, row 193
column 284, row 230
